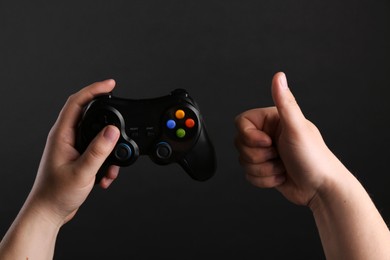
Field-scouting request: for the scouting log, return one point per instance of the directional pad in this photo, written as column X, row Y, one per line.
column 97, row 121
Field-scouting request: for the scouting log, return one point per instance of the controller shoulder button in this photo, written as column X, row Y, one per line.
column 180, row 92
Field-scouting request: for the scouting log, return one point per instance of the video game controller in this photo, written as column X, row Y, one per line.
column 168, row 129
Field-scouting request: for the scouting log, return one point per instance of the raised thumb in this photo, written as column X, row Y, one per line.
column 289, row 111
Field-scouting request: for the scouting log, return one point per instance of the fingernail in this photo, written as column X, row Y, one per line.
column 283, row 81
column 280, row 178
column 111, row 133
column 263, row 143
column 271, row 154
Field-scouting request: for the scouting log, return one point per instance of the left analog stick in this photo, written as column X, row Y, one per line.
column 123, row 152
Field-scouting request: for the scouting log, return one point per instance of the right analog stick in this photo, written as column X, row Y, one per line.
column 163, row 150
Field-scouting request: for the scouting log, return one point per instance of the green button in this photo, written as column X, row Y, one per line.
column 180, row 133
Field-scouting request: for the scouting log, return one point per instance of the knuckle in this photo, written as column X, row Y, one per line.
column 71, row 98
column 96, row 152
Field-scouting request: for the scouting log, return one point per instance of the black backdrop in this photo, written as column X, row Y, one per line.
column 224, row 52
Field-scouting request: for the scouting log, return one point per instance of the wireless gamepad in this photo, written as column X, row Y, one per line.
column 168, row 129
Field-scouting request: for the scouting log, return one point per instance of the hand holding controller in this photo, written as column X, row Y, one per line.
column 168, row 129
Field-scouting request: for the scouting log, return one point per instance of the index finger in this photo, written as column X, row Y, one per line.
column 70, row 113
column 255, row 126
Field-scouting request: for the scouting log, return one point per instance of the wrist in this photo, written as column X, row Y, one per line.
column 32, row 234
column 42, row 212
column 348, row 222
column 335, row 186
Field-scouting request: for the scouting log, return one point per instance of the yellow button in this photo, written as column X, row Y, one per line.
column 180, row 114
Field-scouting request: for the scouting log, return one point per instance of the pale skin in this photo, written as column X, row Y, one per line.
column 279, row 148
column 63, row 182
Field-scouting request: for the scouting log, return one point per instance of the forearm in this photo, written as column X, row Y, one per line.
column 31, row 236
column 348, row 222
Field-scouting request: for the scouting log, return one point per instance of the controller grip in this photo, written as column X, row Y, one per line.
column 200, row 163
column 101, row 172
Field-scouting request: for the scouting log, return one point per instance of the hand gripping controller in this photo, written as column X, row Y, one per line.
column 169, row 129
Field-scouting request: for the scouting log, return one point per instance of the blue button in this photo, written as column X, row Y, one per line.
column 171, row 124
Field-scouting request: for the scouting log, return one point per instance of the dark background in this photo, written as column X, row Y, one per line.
column 335, row 54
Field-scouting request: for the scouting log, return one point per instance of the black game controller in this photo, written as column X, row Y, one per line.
column 169, row 129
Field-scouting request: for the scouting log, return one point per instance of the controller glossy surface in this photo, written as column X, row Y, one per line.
column 168, row 129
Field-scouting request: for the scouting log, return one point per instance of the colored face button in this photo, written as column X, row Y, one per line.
column 180, row 114
column 180, row 132
column 190, row 123
column 171, row 124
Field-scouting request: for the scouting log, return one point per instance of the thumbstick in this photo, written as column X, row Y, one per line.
column 163, row 150
column 123, row 152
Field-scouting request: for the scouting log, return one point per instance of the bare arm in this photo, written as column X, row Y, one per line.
column 31, row 236
column 280, row 148
column 64, row 180
column 348, row 222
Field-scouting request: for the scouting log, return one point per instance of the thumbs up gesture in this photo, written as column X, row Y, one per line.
column 279, row 148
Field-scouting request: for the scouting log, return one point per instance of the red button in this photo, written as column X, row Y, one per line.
column 190, row 123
